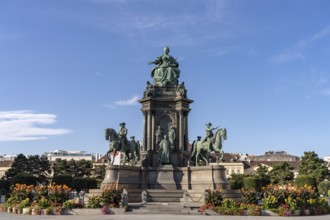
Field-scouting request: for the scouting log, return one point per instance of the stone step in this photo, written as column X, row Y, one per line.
column 164, row 190
column 163, row 199
column 168, row 195
column 159, row 195
column 164, row 208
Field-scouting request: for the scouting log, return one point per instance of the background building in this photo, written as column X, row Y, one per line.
column 276, row 156
column 75, row 155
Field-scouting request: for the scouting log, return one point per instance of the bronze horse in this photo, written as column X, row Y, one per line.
column 201, row 150
column 130, row 148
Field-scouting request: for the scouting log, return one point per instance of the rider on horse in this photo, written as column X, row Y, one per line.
column 122, row 134
column 209, row 132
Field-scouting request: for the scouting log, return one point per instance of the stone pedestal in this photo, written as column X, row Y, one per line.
column 122, row 176
column 111, row 176
column 162, row 178
column 166, row 177
column 165, row 107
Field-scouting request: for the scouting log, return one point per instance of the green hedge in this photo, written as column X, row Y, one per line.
column 5, row 184
column 303, row 180
column 234, row 184
column 80, row 183
column 62, row 180
column 251, row 182
column 24, row 178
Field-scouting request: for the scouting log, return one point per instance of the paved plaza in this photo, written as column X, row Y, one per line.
column 152, row 217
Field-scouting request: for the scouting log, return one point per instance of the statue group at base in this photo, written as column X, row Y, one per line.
column 118, row 143
column 165, row 144
column 211, row 142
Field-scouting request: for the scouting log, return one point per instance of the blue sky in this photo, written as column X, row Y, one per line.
column 70, row 69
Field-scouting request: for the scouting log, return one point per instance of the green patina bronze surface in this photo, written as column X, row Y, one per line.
column 167, row 70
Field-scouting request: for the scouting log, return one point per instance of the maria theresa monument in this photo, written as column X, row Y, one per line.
column 164, row 160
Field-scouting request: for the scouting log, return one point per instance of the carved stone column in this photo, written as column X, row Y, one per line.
column 149, row 131
column 145, row 132
column 153, row 141
column 181, row 131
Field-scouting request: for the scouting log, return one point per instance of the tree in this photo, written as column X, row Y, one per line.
column 311, row 164
column 262, row 174
column 60, row 167
column 72, row 168
column 281, row 173
column 80, row 168
column 39, row 167
column 84, row 168
column 20, row 165
column 99, row 172
column 236, row 181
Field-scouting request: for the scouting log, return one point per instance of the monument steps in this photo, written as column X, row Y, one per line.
column 162, row 208
column 160, row 195
column 134, row 195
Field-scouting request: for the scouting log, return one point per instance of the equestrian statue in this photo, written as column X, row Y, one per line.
column 211, row 142
column 118, row 143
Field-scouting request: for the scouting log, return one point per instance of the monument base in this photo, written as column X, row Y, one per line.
column 166, row 177
column 162, row 178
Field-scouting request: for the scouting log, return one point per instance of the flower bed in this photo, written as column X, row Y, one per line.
column 58, row 200
column 285, row 200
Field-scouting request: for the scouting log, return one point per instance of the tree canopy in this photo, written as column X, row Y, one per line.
column 281, row 173
column 312, row 165
column 34, row 165
column 263, row 174
column 79, row 168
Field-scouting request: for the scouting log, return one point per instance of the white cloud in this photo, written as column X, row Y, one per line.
column 287, row 56
column 325, row 32
column 296, row 51
column 129, row 102
column 110, row 106
column 179, row 27
column 22, row 126
column 326, row 92
column 219, row 51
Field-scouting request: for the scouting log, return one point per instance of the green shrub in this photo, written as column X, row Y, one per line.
column 253, row 210
column 21, row 192
column 4, row 185
column 25, row 203
column 58, row 194
column 62, row 180
column 324, row 187
column 250, row 196
column 24, row 178
column 43, row 203
column 80, row 183
column 233, row 184
column 92, row 183
column 302, row 180
column 250, row 182
column 69, row 204
column 229, row 207
column 213, row 197
column 236, row 181
column 94, row 202
column 112, row 197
